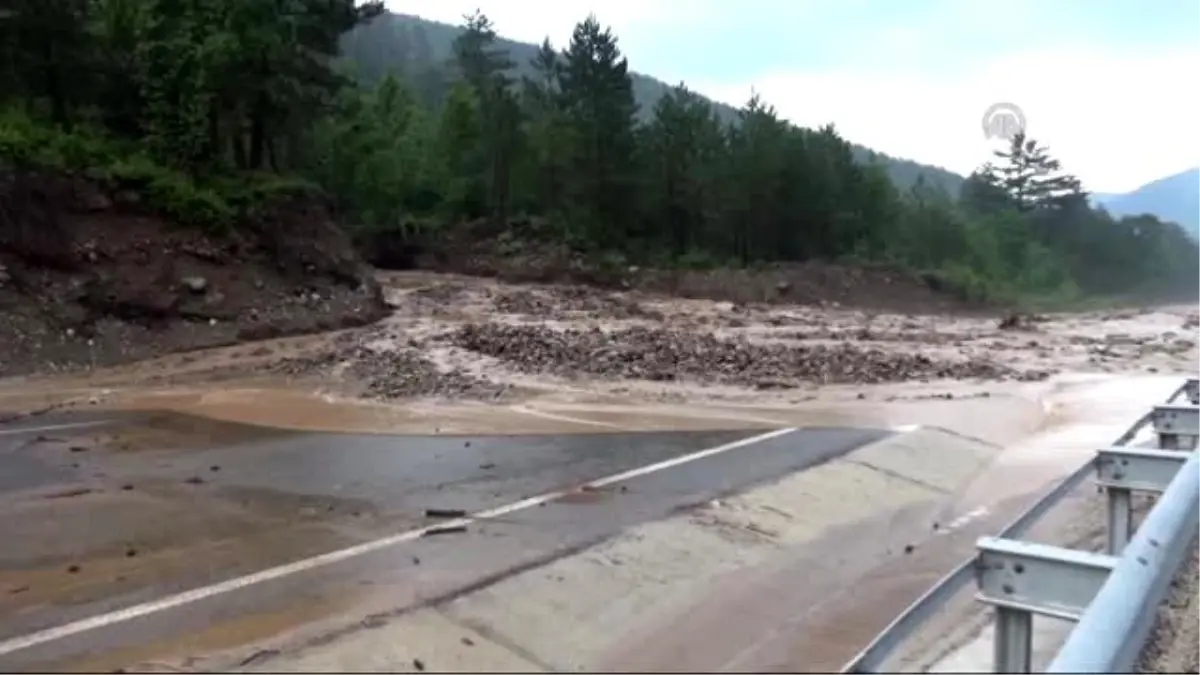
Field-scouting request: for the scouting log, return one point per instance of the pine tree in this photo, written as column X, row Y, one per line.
column 599, row 112
column 1031, row 177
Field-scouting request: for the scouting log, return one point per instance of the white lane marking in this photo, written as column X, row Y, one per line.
column 52, row 427
column 965, row 518
column 187, row 597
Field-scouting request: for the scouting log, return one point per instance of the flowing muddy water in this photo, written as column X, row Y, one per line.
column 587, row 359
column 461, row 356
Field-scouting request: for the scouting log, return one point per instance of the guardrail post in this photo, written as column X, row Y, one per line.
column 1177, row 426
column 1113, row 629
column 1020, row 579
column 1120, row 518
column 1192, row 390
column 1013, row 643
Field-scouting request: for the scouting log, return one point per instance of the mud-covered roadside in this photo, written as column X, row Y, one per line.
column 489, row 337
column 470, row 339
column 89, row 278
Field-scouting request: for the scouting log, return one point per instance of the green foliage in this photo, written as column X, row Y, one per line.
column 377, row 156
column 214, row 204
column 214, row 108
column 166, row 97
column 26, row 142
column 418, row 49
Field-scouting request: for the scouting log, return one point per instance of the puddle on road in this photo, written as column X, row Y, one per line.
column 170, row 431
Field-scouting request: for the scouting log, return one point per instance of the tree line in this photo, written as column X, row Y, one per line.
column 186, row 95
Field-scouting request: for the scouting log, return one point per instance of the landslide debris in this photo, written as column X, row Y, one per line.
column 395, row 374
column 658, row 354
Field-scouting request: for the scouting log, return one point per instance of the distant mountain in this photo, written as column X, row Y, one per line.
column 411, row 45
column 1174, row 198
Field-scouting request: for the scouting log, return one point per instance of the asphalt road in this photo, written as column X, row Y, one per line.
column 134, row 538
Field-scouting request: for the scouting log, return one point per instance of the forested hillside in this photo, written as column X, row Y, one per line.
column 206, row 108
column 420, row 50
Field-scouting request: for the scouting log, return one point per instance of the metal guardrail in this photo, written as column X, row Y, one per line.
column 1022, row 578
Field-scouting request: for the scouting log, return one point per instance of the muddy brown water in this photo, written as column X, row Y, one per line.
column 233, row 383
column 184, row 405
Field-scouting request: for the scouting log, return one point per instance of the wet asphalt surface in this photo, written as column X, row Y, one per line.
column 97, row 518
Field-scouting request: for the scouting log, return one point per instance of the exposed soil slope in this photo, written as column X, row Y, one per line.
column 88, row 277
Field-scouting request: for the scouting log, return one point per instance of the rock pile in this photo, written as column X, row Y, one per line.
column 405, row 373
column 552, row 300
column 395, row 374
column 867, row 334
column 657, row 354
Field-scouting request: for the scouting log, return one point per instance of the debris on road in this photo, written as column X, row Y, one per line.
column 259, row 656
column 445, row 513
column 66, row 494
column 448, row 529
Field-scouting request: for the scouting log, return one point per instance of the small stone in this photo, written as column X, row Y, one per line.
column 195, row 284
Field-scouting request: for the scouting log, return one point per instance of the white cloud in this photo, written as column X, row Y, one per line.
column 1116, row 122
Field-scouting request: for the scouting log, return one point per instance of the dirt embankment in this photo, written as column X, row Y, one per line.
column 88, row 277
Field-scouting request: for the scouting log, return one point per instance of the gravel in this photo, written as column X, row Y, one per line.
column 658, row 354
column 571, row 299
column 390, row 375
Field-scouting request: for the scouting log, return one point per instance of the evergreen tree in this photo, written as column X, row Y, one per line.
column 598, row 106
column 1030, row 177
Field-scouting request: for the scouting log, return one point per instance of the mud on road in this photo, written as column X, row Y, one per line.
column 451, row 338
column 462, row 355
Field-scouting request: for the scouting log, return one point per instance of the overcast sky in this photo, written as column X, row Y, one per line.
column 1103, row 82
